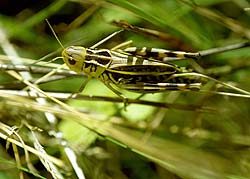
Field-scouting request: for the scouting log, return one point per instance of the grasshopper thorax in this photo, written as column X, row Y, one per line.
column 74, row 57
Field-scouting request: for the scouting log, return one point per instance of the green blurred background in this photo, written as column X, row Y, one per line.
column 159, row 142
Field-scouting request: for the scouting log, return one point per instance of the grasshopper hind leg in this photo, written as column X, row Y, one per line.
column 161, row 87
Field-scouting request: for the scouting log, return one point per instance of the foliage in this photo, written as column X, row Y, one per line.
column 175, row 134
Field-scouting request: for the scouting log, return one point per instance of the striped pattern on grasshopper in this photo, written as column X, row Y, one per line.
column 143, row 70
column 138, row 70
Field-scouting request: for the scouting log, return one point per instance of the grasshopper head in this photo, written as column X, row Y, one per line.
column 74, row 57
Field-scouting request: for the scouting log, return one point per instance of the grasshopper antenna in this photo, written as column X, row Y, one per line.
column 54, row 33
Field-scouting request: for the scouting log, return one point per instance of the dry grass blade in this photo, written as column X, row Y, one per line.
column 166, row 153
column 31, row 149
column 45, row 160
column 174, row 134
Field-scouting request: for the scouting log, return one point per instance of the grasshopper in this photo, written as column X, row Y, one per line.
column 142, row 70
column 132, row 72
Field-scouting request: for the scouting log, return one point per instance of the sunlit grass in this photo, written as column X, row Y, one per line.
column 195, row 135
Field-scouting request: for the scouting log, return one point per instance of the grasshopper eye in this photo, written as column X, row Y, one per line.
column 71, row 61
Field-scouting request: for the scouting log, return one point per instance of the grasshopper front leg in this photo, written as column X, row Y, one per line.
column 83, row 85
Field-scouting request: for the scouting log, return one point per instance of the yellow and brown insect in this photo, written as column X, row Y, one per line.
column 143, row 70
column 132, row 70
